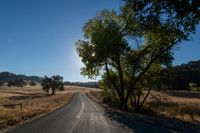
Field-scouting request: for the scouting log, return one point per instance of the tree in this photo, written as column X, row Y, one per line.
column 1, row 83
column 32, row 83
column 135, row 44
column 103, row 49
column 54, row 83
column 17, row 83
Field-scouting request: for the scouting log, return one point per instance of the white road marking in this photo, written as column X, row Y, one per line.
column 78, row 115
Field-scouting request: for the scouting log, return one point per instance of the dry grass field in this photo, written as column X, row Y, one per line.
column 176, row 110
column 182, row 105
column 32, row 102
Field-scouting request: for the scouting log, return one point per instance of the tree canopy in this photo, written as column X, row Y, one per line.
column 54, row 83
column 134, row 45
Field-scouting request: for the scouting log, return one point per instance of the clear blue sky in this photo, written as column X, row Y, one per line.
column 37, row 37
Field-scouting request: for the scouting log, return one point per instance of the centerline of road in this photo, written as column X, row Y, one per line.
column 78, row 115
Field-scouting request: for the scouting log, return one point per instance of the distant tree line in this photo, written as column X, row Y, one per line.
column 17, row 83
column 179, row 77
column 83, row 84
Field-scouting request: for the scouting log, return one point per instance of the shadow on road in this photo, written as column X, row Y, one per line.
column 142, row 124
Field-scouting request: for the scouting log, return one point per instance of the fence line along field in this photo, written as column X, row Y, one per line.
column 19, row 104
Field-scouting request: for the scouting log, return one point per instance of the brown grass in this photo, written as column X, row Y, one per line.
column 172, row 104
column 34, row 102
column 181, row 107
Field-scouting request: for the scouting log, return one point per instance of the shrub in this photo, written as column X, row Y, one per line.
column 193, row 87
column 1, row 83
column 32, row 83
column 17, row 83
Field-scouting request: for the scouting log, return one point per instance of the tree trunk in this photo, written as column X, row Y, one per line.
column 149, row 90
column 53, row 91
column 123, row 101
column 123, row 105
column 138, row 99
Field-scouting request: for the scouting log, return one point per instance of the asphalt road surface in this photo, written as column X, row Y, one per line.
column 83, row 115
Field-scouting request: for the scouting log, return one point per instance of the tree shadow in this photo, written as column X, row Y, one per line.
column 142, row 124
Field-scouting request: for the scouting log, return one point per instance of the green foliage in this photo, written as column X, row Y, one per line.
column 32, row 83
column 17, row 83
column 193, row 87
column 54, row 83
column 131, row 48
column 97, row 49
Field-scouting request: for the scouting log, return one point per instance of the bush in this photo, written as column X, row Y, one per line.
column 1, row 83
column 193, row 87
column 32, row 83
column 17, row 83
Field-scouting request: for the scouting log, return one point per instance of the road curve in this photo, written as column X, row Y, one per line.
column 83, row 115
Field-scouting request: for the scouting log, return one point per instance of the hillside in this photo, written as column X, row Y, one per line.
column 7, row 76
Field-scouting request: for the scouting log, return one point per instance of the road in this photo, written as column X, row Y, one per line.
column 83, row 115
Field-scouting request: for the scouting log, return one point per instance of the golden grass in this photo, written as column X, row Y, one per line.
column 161, row 103
column 32, row 108
column 183, row 108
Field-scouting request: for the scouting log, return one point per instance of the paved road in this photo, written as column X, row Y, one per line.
column 83, row 115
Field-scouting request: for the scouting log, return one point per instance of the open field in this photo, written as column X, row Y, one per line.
column 184, row 105
column 32, row 102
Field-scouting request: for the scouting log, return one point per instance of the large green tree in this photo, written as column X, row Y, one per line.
column 103, row 47
column 52, row 83
column 133, row 46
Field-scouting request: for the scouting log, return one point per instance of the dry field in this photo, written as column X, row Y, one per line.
column 32, row 102
column 176, row 110
column 182, row 105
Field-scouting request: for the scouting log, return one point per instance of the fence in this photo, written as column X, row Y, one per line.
column 11, row 105
column 36, row 102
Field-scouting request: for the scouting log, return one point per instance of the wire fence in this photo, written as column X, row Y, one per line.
column 35, row 102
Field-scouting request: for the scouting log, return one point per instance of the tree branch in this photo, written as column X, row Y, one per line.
column 149, row 90
column 114, row 86
column 153, row 59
